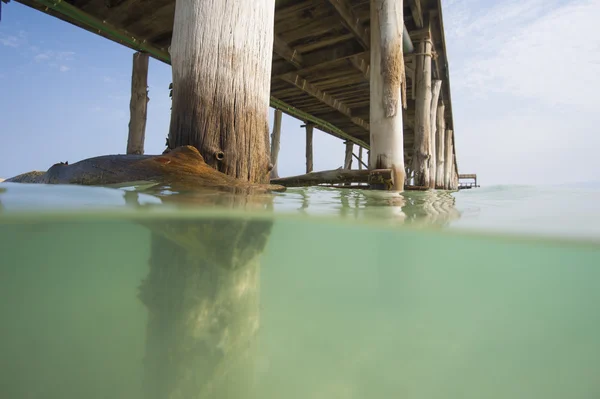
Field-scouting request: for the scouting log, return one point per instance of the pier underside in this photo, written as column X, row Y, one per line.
column 320, row 71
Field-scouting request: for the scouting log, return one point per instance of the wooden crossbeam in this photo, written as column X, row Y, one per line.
column 351, row 21
column 282, row 49
column 416, row 11
column 363, row 66
column 322, row 96
column 318, row 58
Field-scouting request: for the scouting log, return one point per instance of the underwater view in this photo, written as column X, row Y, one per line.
column 138, row 292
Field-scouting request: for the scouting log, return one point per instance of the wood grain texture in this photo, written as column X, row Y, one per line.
column 422, row 147
column 387, row 133
column 138, row 105
column 348, row 155
column 221, row 80
column 276, row 143
column 436, row 87
column 309, row 148
column 448, row 159
column 440, row 146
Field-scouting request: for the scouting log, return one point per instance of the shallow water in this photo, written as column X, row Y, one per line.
column 314, row 293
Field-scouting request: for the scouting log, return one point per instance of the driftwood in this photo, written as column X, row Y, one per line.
column 181, row 168
column 376, row 176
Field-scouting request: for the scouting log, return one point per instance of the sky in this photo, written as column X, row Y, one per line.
column 524, row 77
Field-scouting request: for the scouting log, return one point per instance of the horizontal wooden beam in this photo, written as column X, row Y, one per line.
column 282, row 49
column 318, row 58
column 362, row 65
column 351, row 21
column 375, row 176
column 416, row 11
column 314, row 91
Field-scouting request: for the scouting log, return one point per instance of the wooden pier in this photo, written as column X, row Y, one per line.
column 373, row 73
column 467, row 181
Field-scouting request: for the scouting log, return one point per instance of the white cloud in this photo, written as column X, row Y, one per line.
column 9, row 41
column 13, row 40
column 42, row 56
column 524, row 87
column 64, row 68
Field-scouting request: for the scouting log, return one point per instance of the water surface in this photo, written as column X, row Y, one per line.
column 313, row 293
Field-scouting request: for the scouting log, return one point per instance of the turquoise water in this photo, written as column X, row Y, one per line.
column 313, row 293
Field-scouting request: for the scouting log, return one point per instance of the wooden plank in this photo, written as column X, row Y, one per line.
column 351, row 21
column 324, row 97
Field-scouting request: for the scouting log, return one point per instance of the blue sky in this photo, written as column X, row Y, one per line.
column 524, row 77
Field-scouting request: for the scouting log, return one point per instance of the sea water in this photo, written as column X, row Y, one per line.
column 337, row 293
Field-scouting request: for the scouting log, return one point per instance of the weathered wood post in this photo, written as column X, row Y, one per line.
column 348, row 155
column 202, row 291
column 221, row 79
column 138, row 105
column 309, row 147
column 422, row 147
column 437, row 85
column 441, row 145
column 360, row 156
column 388, row 87
column 454, row 172
column 275, row 143
column 448, row 160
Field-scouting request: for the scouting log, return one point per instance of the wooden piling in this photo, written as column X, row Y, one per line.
column 309, row 147
column 387, row 85
column 221, row 80
column 275, row 143
column 422, row 146
column 449, row 159
column 348, row 155
column 138, row 105
column 437, row 86
column 360, row 156
column 203, row 297
column 440, row 146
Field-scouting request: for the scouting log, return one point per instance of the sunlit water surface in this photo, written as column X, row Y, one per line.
column 313, row 293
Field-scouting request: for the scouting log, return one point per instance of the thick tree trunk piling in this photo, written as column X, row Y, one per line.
column 275, row 143
column 422, row 146
column 449, row 160
column 348, row 155
column 221, row 54
column 437, row 85
column 360, row 158
column 309, row 147
column 441, row 145
column 388, row 87
column 138, row 105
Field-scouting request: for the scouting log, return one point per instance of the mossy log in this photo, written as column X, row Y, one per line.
column 181, row 168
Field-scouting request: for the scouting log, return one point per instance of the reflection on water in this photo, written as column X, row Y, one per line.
column 151, row 299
